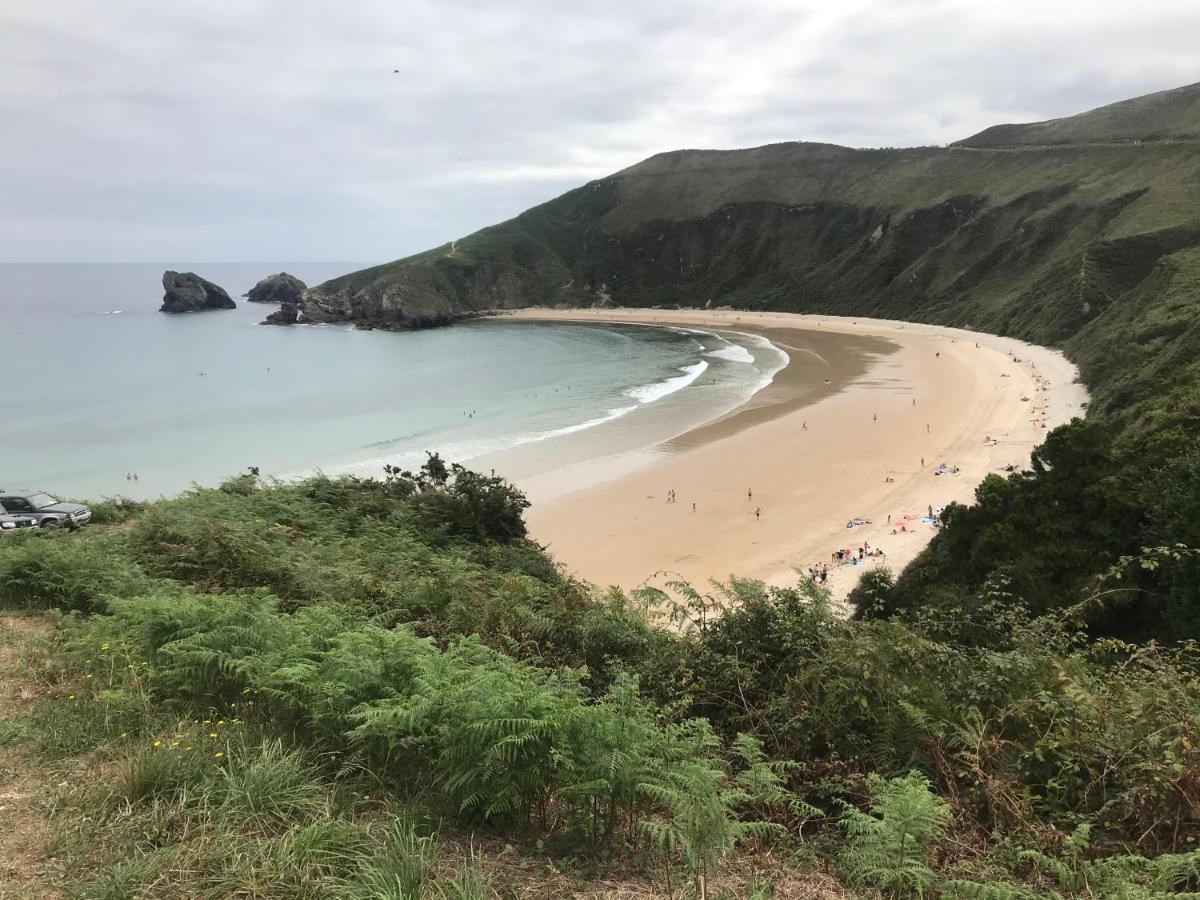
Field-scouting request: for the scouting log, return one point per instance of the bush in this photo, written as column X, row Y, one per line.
column 66, row 570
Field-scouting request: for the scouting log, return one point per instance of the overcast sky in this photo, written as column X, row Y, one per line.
column 262, row 130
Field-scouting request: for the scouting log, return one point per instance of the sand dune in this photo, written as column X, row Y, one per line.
column 870, row 450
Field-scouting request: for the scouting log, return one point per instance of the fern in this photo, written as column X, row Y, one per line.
column 889, row 847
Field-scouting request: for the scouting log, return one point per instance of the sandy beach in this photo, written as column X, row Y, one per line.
column 768, row 490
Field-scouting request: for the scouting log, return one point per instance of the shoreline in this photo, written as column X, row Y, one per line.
column 808, row 462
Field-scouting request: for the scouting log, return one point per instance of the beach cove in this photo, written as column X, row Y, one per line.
column 776, row 483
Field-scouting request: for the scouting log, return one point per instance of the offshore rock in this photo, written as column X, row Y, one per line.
column 287, row 314
column 188, row 292
column 278, row 288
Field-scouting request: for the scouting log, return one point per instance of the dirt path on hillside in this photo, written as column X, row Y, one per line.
column 24, row 831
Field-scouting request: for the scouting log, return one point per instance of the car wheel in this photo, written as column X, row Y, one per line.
column 49, row 524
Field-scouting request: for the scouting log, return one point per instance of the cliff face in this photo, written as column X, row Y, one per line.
column 1034, row 240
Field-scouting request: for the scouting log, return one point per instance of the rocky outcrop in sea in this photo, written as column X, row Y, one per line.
column 188, row 292
column 278, row 288
column 287, row 314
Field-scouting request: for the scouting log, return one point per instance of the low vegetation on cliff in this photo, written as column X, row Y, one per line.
column 355, row 688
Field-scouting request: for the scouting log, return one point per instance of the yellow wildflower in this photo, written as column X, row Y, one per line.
column 70, row 696
column 104, row 646
column 158, row 743
column 218, row 754
column 212, row 735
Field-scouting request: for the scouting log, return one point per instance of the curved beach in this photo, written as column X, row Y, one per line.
column 776, row 482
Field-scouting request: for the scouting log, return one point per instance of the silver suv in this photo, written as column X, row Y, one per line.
column 45, row 510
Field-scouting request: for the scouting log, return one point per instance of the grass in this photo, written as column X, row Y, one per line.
column 375, row 698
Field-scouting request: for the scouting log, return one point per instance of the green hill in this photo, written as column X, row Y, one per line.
column 1164, row 116
column 1082, row 232
column 963, row 235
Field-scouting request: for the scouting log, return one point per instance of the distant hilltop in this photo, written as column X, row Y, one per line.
column 970, row 234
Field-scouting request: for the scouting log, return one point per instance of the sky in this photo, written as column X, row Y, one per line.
column 144, row 130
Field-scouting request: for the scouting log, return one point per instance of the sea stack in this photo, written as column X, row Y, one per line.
column 287, row 314
column 278, row 288
column 188, row 292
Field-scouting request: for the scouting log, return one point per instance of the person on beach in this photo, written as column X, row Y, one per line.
column 874, row 417
column 758, row 512
column 693, row 506
column 922, row 462
column 804, row 425
column 749, row 494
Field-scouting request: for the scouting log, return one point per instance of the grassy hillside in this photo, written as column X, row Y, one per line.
column 1082, row 233
column 1164, row 116
column 359, row 689
column 957, row 234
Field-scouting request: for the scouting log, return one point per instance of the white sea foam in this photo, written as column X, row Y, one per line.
column 649, row 393
column 571, row 429
column 468, row 449
column 733, row 353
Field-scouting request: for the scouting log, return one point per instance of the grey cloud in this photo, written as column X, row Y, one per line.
column 267, row 129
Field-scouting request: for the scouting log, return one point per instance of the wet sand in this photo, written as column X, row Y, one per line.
column 806, row 456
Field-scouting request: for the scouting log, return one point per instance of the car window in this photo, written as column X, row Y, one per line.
column 16, row 504
column 41, row 501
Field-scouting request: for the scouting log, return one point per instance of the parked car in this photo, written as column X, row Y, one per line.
column 12, row 523
column 46, row 510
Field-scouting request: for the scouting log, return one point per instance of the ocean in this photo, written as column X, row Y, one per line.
column 96, row 384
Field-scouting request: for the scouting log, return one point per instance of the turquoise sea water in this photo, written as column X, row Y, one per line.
column 97, row 383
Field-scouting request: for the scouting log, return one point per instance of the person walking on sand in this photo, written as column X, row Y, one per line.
column 758, row 512
column 693, row 506
column 804, row 425
column 875, row 417
column 922, row 462
column 749, row 494
column 927, row 428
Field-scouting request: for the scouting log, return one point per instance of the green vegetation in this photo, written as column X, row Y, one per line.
column 1081, row 232
column 354, row 688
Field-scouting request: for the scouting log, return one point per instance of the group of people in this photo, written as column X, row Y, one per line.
column 672, row 497
column 853, row 556
column 131, row 476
